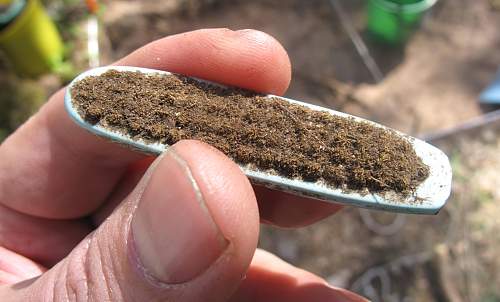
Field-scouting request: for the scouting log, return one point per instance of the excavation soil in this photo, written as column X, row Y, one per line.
column 268, row 134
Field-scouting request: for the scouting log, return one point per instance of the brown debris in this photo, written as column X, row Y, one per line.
column 291, row 140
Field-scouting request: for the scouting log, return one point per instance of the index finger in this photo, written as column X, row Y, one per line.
column 52, row 168
column 246, row 58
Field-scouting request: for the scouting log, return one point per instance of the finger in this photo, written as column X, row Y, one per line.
column 44, row 240
column 288, row 210
column 246, row 58
column 16, row 268
column 186, row 233
column 271, row 279
column 52, row 168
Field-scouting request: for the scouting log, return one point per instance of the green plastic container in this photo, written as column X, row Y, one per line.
column 30, row 39
column 393, row 21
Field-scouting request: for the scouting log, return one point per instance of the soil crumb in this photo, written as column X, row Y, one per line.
column 270, row 134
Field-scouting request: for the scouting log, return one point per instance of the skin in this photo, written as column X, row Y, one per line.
column 82, row 219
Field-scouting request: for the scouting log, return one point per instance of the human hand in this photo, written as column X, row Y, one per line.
column 81, row 221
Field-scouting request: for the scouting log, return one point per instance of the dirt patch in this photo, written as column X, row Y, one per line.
column 268, row 133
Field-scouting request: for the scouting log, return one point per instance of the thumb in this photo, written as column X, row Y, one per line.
column 186, row 233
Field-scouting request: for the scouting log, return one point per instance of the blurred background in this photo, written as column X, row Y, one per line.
column 428, row 68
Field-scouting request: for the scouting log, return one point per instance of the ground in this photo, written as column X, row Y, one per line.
column 429, row 84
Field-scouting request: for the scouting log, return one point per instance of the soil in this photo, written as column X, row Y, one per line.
column 267, row 133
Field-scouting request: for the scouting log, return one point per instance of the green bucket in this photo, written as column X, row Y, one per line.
column 30, row 39
column 393, row 21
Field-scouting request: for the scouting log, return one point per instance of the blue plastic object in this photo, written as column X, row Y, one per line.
column 491, row 95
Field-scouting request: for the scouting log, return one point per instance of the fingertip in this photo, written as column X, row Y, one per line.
column 276, row 77
column 247, row 58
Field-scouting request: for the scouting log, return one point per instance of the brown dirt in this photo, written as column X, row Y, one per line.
column 269, row 133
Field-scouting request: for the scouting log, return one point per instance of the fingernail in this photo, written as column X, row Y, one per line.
column 341, row 294
column 246, row 31
column 173, row 233
column 254, row 35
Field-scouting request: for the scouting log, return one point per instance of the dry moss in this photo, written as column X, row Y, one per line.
column 292, row 140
